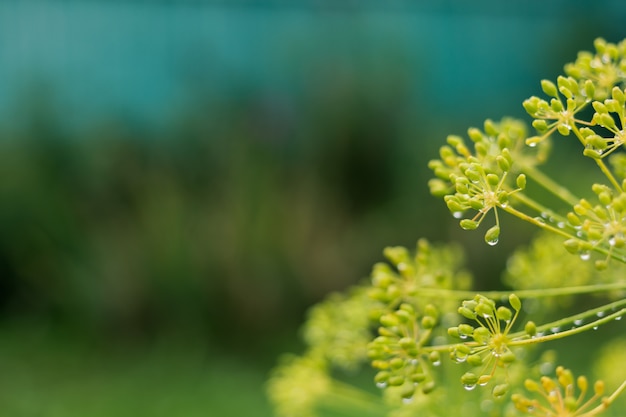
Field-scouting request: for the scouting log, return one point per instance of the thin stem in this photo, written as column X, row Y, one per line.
column 345, row 395
column 543, row 225
column 605, row 170
column 570, row 332
column 539, row 223
column 550, row 185
column 538, row 207
column 535, row 293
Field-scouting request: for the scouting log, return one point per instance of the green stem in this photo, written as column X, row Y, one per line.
column 535, row 293
column 605, row 170
column 344, row 395
column 606, row 402
column 545, row 226
column 550, row 185
column 557, row 323
column 539, row 208
column 571, row 332
column 539, row 223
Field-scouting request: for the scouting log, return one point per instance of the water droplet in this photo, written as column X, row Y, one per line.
column 545, row 215
column 578, row 322
column 381, row 385
column 532, row 144
column 460, row 359
column 560, row 225
column 600, row 313
column 457, row 214
column 407, row 400
column 469, row 387
column 585, row 255
column 595, row 327
column 463, row 336
column 618, row 318
column 492, row 242
column 555, row 329
column 482, row 384
column 436, row 363
column 612, row 241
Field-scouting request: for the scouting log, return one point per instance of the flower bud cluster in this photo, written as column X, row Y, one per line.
column 397, row 352
column 296, row 385
column 599, row 225
column 486, row 342
column 610, row 115
column 544, row 264
column 559, row 114
column 485, row 178
column 339, row 328
column 428, row 267
column 558, row 396
column 606, row 67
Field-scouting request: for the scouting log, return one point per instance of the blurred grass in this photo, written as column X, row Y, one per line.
column 49, row 374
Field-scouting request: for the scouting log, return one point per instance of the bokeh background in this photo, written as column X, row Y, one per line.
column 181, row 180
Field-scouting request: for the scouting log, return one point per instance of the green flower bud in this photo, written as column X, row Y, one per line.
column 531, row 385
column 590, row 89
column 515, row 302
column 454, row 332
column 500, row 390
column 549, row 88
column 474, row 134
column 507, row 357
column 564, row 129
column 540, row 125
column 467, row 313
column 434, row 357
column 503, row 164
column 469, row 378
column 531, row 105
column 389, row 320
column 428, row 322
column 406, row 343
column 504, row 314
column 521, row 181
column 418, row 377
column 481, row 335
column 599, row 107
column 428, row 387
column 396, row 363
column 598, row 388
column 396, row 380
column 475, row 360
column 493, row 179
column 573, row 219
column 492, row 235
column 465, row 330
column 382, row 377
column 618, row 95
column 484, row 310
column 556, row 105
column 467, row 224
column 530, row 328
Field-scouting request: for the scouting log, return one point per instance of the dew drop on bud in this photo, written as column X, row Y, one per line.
column 469, row 387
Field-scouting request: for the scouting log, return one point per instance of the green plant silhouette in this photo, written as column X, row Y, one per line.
column 439, row 348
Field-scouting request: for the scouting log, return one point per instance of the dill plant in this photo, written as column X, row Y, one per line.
column 437, row 348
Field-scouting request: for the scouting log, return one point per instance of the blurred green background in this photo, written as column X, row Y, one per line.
column 181, row 180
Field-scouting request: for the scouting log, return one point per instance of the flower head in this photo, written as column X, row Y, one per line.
column 558, row 396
